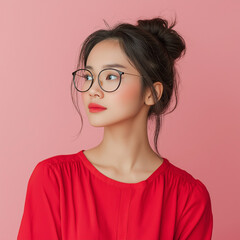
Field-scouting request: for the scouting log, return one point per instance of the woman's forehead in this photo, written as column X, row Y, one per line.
column 107, row 52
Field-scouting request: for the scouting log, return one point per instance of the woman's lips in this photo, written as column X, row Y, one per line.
column 95, row 105
column 96, row 109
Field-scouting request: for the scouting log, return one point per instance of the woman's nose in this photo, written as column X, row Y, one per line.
column 95, row 86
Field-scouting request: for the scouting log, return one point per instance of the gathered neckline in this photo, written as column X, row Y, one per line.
column 104, row 178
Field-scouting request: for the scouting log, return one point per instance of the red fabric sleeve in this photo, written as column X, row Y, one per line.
column 41, row 216
column 196, row 221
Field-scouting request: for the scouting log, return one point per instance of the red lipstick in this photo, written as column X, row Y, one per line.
column 93, row 107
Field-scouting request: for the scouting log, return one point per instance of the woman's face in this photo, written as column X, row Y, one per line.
column 122, row 104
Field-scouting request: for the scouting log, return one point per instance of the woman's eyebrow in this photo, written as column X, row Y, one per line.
column 108, row 65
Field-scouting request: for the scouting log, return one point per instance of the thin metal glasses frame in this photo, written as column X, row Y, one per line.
column 120, row 73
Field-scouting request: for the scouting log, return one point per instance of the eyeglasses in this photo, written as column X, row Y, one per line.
column 109, row 79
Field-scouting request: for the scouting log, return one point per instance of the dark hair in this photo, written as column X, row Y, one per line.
column 153, row 47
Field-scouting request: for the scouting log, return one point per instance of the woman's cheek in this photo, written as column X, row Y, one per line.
column 129, row 95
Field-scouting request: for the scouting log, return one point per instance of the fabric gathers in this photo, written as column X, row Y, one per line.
column 69, row 199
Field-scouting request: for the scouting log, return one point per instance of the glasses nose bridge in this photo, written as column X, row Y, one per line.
column 97, row 79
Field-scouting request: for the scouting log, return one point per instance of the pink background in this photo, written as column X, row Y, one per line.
column 39, row 46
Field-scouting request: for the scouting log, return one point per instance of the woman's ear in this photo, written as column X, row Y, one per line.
column 149, row 99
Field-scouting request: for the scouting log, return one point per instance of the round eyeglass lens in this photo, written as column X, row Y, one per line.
column 109, row 79
column 83, row 79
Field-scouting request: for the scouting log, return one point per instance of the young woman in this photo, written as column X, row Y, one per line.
column 121, row 189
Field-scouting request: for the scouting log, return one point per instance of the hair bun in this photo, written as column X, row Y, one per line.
column 171, row 40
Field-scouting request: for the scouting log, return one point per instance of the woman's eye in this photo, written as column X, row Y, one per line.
column 112, row 77
column 88, row 77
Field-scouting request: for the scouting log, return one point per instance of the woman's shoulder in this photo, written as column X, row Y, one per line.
column 194, row 210
column 57, row 161
column 52, row 169
column 185, row 181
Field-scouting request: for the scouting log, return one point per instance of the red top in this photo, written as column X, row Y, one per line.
column 69, row 199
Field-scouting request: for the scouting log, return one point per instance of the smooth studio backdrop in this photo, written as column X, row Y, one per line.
column 39, row 46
